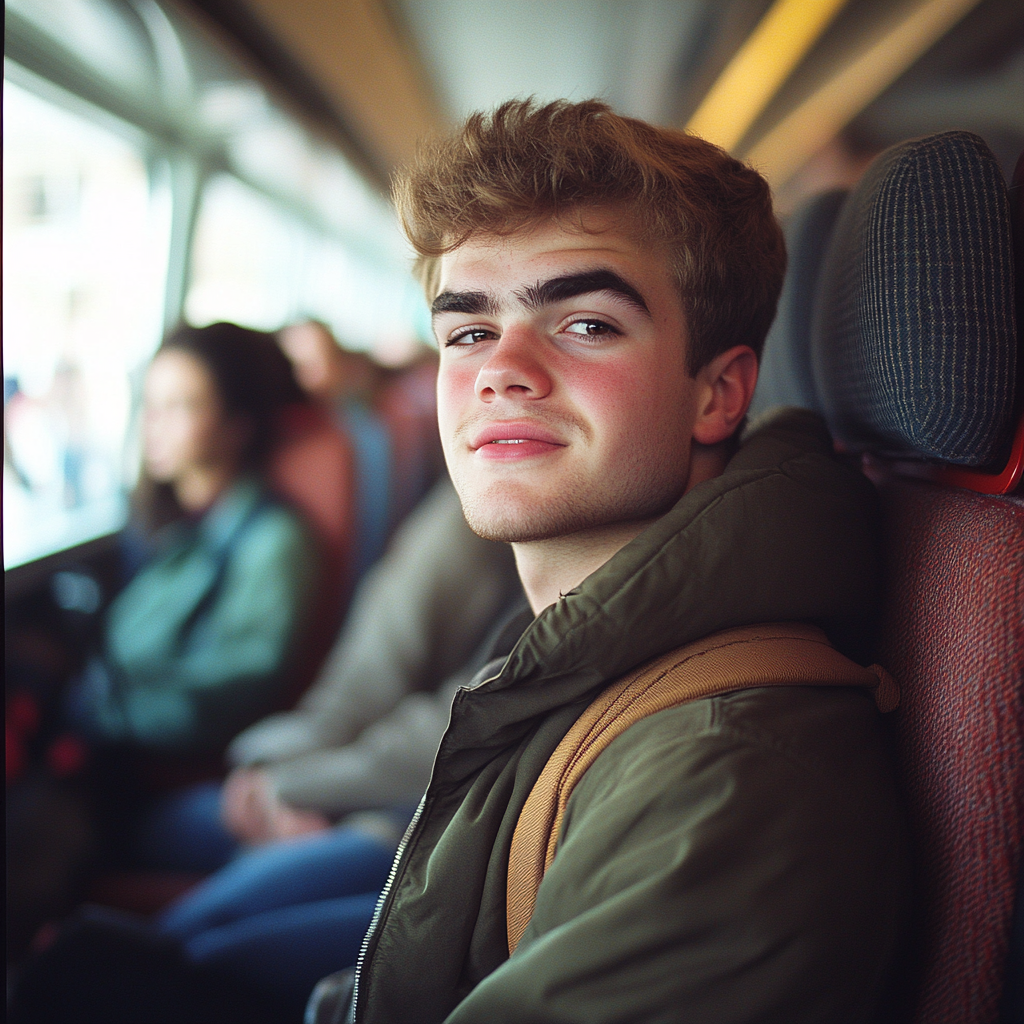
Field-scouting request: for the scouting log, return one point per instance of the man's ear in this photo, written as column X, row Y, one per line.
column 725, row 388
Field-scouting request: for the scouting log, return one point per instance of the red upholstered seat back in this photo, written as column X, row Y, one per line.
column 917, row 361
column 408, row 405
column 312, row 468
column 954, row 639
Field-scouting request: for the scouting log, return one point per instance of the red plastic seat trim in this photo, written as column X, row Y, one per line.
column 1003, row 482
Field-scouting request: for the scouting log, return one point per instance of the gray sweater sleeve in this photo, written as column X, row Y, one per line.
column 388, row 764
column 416, row 618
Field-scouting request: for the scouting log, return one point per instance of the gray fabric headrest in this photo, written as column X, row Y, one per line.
column 914, row 343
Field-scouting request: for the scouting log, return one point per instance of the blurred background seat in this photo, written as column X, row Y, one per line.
column 785, row 377
column 311, row 467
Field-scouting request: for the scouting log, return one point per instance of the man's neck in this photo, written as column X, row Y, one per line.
column 550, row 568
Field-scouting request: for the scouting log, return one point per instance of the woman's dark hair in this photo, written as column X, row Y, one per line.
column 252, row 375
column 253, row 378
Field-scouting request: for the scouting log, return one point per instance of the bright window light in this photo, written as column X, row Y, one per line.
column 256, row 265
column 85, row 261
column 247, row 259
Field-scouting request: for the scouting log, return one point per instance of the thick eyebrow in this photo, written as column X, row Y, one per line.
column 473, row 303
column 544, row 293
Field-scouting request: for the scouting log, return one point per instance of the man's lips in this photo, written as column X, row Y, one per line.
column 504, row 433
column 514, row 440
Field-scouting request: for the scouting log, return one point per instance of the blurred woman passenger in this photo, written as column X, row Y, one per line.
column 196, row 645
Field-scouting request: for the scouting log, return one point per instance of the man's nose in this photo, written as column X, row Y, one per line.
column 516, row 366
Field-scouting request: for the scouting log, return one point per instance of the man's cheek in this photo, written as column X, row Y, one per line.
column 456, row 390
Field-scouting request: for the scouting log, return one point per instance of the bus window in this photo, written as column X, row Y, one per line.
column 86, row 227
column 149, row 178
column 255, row 263
column 369, row 308
column 246, row 258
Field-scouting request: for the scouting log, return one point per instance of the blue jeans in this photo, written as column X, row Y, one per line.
column 183, row 832
column 284, row 916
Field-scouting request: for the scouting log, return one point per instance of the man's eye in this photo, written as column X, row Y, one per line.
column 469, row 336
column 589, row 327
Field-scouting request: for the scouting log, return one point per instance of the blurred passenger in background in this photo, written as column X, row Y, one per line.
column 328, row 372
column 195, row 646
column 388, row 415
column 323, row 793
column 346, row 383
column 317, row 806
column 364, row 736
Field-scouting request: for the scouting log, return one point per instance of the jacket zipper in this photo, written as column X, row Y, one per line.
column 379, row 909
column 385, row 893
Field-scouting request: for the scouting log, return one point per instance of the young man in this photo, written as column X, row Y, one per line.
column 601, row 290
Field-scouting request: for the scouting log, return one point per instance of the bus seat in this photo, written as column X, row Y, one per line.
column 914, row 341
column 916, row 357
column 785, row 374
column 312, row 469
column 408, row 405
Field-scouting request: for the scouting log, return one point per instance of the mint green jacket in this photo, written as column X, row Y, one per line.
column 196, row 644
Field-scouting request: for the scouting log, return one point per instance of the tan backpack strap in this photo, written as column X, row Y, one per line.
column 777, row 654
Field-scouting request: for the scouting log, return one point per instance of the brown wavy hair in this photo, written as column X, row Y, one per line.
column 711, row 214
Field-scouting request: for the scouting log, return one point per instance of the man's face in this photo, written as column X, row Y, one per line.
column 564, row 400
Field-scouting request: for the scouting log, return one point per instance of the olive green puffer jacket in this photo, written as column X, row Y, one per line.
column 740, row 858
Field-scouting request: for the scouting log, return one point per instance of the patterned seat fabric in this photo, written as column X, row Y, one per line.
column 914, row 343
column 785, row 377
column 954, row 639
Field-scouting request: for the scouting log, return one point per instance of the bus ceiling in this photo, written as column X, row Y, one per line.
column 775, row 81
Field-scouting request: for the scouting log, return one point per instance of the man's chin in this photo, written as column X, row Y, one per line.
column 510, row 533
column 512, row 512
column 513, row 521
column 541, row 521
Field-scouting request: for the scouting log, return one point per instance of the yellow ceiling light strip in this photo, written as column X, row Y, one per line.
column 762, row 64
column 816, row 121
